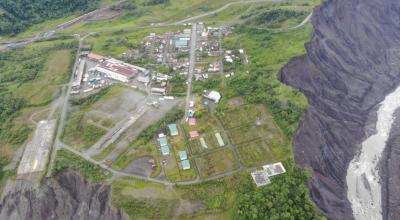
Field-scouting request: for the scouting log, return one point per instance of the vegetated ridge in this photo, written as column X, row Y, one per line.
column 352, row 62
column 18, row 15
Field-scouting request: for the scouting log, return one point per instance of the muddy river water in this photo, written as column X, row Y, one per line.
column 363, row 181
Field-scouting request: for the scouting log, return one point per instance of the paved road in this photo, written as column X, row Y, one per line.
column 117, row 174
column 222, row 9
column 66, row 95
column 192, row 63
column 51, row 33
column 64, row 110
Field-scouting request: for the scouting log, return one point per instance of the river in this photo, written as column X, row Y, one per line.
column 363, row 181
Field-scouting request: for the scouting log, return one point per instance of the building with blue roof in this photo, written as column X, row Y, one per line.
column 185, row 164
column 173, row 130
column 181, row 42
column 163, row 141
column 165, row 150
column 182, row 155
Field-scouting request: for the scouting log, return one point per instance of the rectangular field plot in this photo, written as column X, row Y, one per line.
column 217, row 162
column 178, row 141
column 255, row 153
column 242, row 115
column 207, row 126
column 174, row 171
column 244, row 134
column 210, row 142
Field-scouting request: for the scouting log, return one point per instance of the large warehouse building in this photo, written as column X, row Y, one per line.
column 118, row 70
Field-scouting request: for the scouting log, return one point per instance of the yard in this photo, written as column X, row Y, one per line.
column 207, row 126
column 173, row 166
column 216, row 162
column 255, row 153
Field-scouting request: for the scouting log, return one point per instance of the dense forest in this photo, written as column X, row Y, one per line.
column 18, row 15
column 287, row 198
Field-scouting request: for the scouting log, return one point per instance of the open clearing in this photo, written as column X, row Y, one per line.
column 47, row 83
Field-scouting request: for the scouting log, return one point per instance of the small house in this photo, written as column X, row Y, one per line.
column 165, row 150
column 185, row 165
column 182, row 155
column 173, row 130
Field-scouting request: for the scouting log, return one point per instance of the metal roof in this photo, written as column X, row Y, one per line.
column 185, row 164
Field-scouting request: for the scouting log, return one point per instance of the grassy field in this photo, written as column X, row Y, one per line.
column 93, row 114
column 47, row 83
column 207, row 126
column 66, row 160
column 29, row 80
column 105, row 152
column 256, row 153
column 146, row 15
column 80, row 134
column 140, row 199
column 217, row 162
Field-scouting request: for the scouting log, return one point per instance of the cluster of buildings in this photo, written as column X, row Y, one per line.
column 102, row 71
column 165, row 151
column 233, row 56
column 262, row 177
column 192, row 121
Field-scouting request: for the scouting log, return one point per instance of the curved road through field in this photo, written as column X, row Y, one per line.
column 50, row 33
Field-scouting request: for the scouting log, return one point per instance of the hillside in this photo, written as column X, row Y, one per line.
column 18, row 15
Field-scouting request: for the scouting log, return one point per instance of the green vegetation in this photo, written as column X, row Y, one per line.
column 155, row 2
column 90, row 99
column 79, row 133
column 274, row 18
column 30, row 76
column 144, row 145
column 18, row 15
column 286, row 198
column 217, row 162
column 142, row 199
column 105, row 152
column 55, row 72
column 145, row 15
column 66, row 160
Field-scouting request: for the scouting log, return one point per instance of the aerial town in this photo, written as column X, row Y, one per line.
column 198, row 147
column 155, row 109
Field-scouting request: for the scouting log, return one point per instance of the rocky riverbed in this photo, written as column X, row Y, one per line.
column 352, row 63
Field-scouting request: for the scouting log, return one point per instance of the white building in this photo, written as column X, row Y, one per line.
column 214, row 96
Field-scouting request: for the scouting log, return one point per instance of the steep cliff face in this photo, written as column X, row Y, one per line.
column 67, row 196
column 352, row 62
